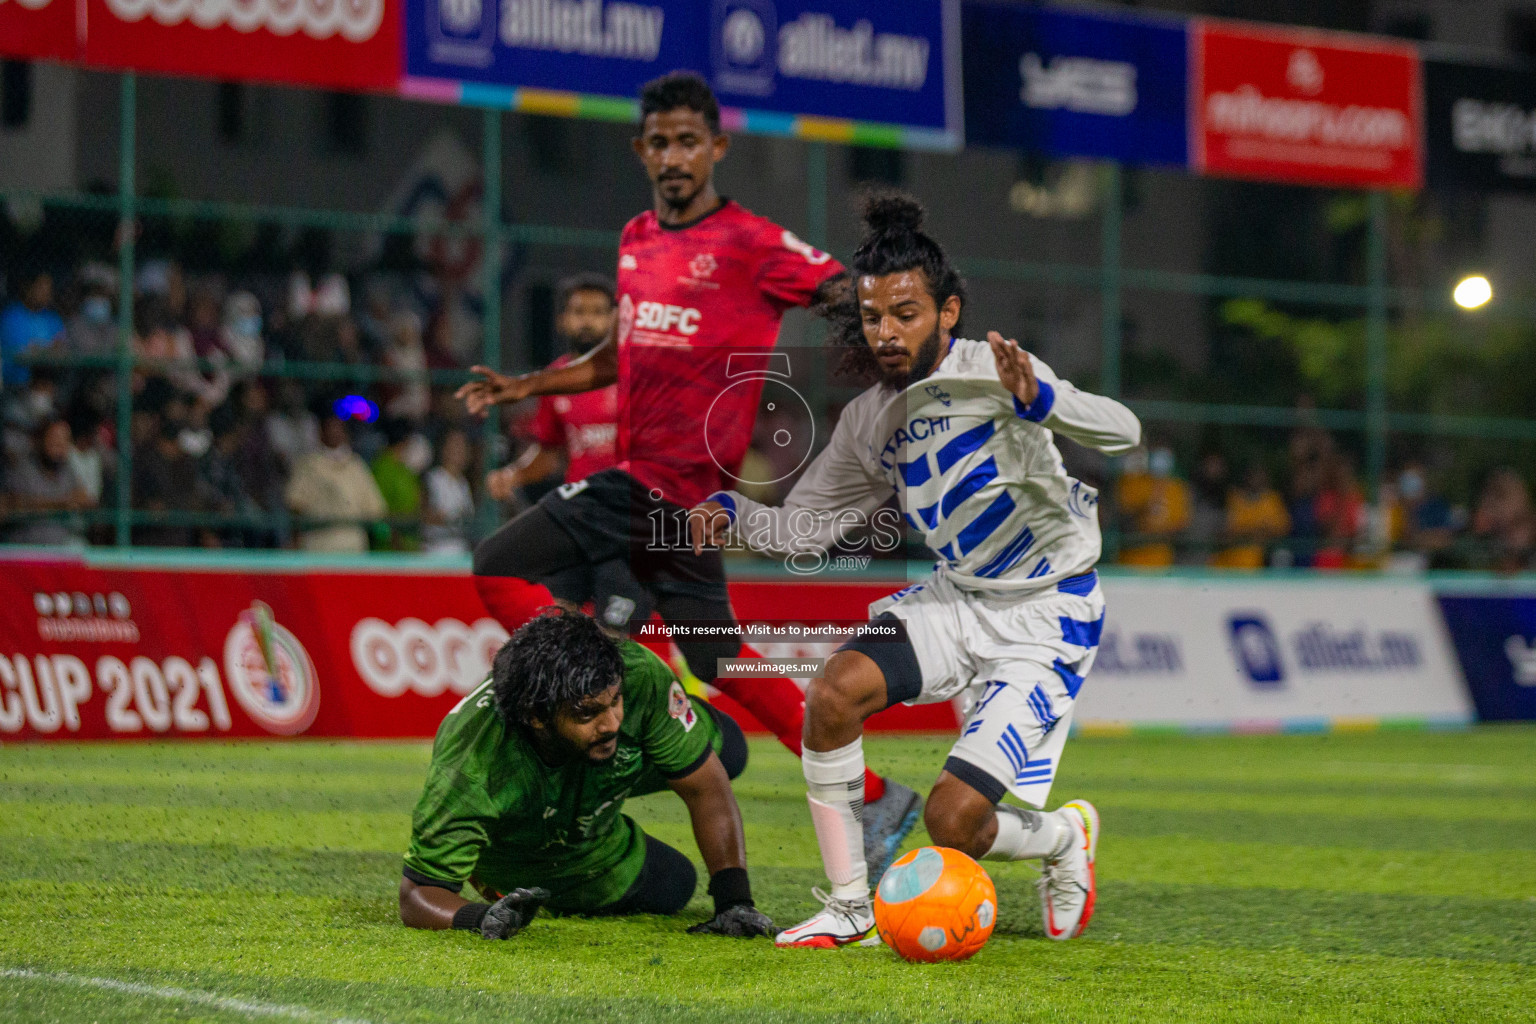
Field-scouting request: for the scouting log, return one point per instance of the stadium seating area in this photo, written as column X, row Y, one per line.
column 230, row 423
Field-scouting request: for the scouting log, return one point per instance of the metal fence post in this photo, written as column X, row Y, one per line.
column 1376, row 344
column 127, row 228
column 490, row 286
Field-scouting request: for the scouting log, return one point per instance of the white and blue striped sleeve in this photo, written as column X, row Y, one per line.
column 1094, row 421
column 834, row 499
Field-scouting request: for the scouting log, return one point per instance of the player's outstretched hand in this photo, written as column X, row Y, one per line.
column 1014, row 368
column 742, row 921
column 511, row 914
column 493, row 389
column 708, row 525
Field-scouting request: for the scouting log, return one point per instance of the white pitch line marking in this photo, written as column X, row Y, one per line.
column 249, row 1007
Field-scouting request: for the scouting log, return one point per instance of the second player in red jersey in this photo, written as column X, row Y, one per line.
column 699, row 303
column 702, row 285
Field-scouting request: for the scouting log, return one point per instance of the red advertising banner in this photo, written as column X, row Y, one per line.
column 337, row 44
column 91, row 652
column 1305, row 107
column 38, row 29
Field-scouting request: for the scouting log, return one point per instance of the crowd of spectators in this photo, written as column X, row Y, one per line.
column 1320, row 518
column 226, row 452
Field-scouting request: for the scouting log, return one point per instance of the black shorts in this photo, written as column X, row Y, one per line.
column 619, row 600
column 612, row 516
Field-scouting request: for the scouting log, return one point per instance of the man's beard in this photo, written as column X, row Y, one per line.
column 682, row 200
column 923, row 362
column 583, row 342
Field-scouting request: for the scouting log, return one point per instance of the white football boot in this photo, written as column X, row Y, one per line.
column 1066, row 882
column 839, row 923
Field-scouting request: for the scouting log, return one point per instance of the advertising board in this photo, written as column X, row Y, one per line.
column 1480, row 127
column 1255, row 655
column 773, row 63
column 1069, row 84
column 38, row 29
column 1304, row 107
column 335, row 44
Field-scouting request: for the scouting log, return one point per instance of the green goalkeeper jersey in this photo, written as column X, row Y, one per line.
column 493, row 810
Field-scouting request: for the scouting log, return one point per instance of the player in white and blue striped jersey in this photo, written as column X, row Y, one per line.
column 962, row 432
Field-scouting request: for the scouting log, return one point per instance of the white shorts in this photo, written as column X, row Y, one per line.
column 1017, row 662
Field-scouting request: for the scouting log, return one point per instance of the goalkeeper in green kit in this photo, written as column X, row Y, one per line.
column 529, row 775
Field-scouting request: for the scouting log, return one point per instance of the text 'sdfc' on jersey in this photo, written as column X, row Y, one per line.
column 584, row 424
column 699, row 309
column 493, row 811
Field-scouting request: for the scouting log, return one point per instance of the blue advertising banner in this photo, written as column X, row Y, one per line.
column 1068, row 84
column 1495, row 640
column 779, row 66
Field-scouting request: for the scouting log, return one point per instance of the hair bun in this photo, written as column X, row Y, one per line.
column 893, row 211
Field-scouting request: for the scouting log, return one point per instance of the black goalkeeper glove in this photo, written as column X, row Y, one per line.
column 743, row 921
column 735, row 916
column 504, row 918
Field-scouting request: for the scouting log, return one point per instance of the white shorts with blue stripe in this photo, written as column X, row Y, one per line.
column 1017, row 662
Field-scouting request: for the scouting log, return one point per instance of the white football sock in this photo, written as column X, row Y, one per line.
column 835, row 781
column 1025, row 835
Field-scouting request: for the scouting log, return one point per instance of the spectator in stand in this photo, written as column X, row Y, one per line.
column 1154, row 506
column 166, row 479
column 87, row 455
column 1504, row 521
column 292, row 429
column 1430, row 523
column 160, row 339
column 373, row 322
column 1255, row 518
column 204, row 323
column 28, row 324
column 334, row 483
column 398, row 482
column 163, row 281
column 259, row 464
column 1309, row 453
column 449, row 505
column 1208, row 518
column 25, row 409
column 406, row 397
column 92, row 330
column 1340, row 511
column 240, row 333
column 45, row 482
column 221, row 471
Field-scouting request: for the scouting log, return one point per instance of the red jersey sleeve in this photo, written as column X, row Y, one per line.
column 545, row 426
column 788, row 270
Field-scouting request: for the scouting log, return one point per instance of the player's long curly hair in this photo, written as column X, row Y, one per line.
column 554, row 661
column 894, row 241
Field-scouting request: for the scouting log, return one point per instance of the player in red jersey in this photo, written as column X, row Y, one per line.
column 701, row 280
column 584, row 429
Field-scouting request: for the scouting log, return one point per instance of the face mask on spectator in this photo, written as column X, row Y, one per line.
column 1410, row 485
column 417, row 455
column 1160, row 463
column 96, row 309
column 195, row 442
column 38, row 405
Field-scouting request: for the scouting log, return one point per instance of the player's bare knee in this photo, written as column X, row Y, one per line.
column 958, row 817
column 851, row 690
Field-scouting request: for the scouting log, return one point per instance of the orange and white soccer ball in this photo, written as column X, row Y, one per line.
column 935, row 904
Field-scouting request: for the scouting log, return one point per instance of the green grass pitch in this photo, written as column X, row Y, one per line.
column 1378, row 877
